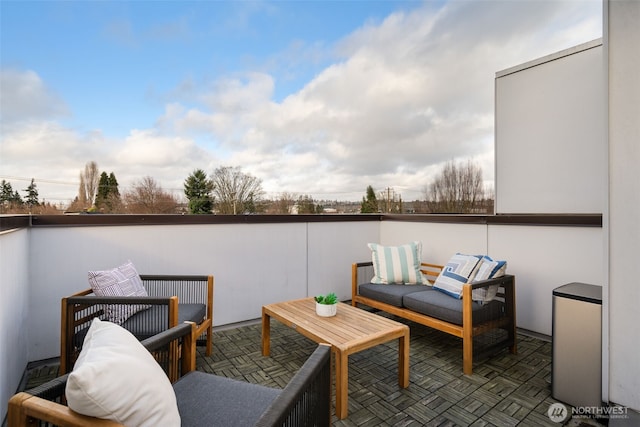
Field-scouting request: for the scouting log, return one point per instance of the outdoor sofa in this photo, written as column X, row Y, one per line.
column 459, row 316
column 202, row 399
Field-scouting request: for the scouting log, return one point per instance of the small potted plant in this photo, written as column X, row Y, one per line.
column 326, row 305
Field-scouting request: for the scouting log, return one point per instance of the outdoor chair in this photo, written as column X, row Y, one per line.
column 201, row 399
column 171, row 300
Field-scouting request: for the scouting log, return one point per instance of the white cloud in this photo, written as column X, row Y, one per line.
column 409, row 94
column 412, row 93
column 34, row 146
column 50, row 153
column 26, row 97
column 167, row 159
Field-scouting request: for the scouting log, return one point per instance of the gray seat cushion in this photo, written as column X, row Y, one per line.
column 388, row 294
column 444, row 307
column 147, row 323
column 226, row 403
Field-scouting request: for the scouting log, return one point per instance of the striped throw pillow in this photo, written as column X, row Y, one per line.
column 397, row 264
column 122, row 281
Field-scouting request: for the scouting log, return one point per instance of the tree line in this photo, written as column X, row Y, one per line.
column 229, row 191
column 457, row 189
column 12, row 202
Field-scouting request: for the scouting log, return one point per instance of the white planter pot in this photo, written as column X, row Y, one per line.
column 326, row 310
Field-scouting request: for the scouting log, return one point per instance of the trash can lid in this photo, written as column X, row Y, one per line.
column 580, row 291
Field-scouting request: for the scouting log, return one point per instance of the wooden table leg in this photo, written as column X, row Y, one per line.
column 266, row 333
column 342, row 384
column 403, row 361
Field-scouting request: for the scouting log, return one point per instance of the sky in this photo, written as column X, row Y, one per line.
column 319, row 98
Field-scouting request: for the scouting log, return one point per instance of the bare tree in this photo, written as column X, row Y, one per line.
column 284, row 204
column 236, row 192
column 89, row 179
column 458, row 189
column 147, row 196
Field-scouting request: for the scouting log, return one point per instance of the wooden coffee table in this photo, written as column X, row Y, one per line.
column 351, row 330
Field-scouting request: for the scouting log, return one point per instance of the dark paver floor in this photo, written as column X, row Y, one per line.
column 504, row 390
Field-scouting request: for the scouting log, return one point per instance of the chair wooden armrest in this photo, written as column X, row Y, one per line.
column 25, row 409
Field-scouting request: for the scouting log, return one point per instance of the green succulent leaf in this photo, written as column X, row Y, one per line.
column 328, row 299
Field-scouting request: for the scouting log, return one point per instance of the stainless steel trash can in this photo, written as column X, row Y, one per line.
column 576, row 369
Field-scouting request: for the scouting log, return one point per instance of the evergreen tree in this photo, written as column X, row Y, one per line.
column 103, row 190
column 306, row 205
column 31, row 199
column 8, row 195
column 198, row 188
column 108, row 195
column 114, row 201
column 6, row 192
column 16, row 198
column 113, row 185
column 370, row 203
column 9, row 199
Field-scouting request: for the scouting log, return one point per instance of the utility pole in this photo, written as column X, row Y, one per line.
column 388, row 195
column 392, row 200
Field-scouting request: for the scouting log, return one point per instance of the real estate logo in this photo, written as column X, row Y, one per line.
column 557, row 412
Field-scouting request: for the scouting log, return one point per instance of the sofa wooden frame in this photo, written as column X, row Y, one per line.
column 467, row 330
column 78, row 310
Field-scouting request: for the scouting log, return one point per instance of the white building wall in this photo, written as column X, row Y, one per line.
column 622, row 40
column 332, row 250
column 14, row 296
column 257, row 264
column 439, row 241
column 567, row 141
column 550, row 134
column 541, row 258
column 253, row 264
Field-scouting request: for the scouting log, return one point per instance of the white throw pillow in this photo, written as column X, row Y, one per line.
column 488, row 269
column 122, row 281
column 116, row 378
column 397, row 264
